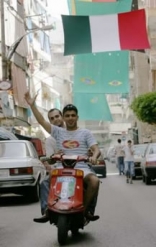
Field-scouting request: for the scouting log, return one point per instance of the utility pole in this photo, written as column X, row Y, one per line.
column 3, row 47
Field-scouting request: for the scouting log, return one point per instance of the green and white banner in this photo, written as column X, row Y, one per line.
column 78, row 7
column 92, row 106
column 101, row 73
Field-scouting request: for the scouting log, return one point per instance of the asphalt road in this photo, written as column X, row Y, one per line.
column 127, row 218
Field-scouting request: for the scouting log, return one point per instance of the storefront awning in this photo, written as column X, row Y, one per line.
column 19, row 85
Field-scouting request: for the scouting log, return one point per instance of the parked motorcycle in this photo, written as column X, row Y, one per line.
column 65, row 202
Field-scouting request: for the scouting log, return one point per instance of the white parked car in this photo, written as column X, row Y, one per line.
column 20, row 169
column 148, row 164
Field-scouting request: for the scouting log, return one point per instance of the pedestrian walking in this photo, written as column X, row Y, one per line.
column 120, row 156
column 129, row 161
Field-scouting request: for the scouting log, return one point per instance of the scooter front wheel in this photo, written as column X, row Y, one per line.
column 62, row 229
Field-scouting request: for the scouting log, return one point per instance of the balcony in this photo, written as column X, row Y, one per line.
column 148, row 3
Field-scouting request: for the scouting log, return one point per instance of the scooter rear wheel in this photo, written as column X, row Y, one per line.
column 62, row 229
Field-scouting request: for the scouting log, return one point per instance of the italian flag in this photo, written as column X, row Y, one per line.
column 102, row 33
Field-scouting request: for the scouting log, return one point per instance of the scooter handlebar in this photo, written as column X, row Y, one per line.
column 58, row 157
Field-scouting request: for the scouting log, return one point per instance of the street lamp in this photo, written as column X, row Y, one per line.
column 14, row 46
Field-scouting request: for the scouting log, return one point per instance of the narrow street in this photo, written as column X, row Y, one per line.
column 73, row 74
column 127, row 218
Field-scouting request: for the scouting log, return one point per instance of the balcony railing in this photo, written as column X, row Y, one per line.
column 149, row 3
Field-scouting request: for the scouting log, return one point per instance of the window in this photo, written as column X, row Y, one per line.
column 13, row 150
column 34, row 152
column 45, row 44
column 152, row 150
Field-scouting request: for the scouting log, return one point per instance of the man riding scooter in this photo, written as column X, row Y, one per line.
column 55, row 117
column 73, row 140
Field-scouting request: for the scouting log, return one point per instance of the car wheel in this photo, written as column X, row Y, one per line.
column 147, row 180
column 104, row 174
column 34, row 194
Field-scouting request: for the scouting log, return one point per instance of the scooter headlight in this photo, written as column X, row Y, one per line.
column 79, row 173
column 54, row 172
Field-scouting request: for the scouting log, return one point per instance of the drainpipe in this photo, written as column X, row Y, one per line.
column 3, row 48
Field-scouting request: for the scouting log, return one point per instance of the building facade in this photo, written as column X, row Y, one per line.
column 144, row 72
column 38, row 58
column 13, row 78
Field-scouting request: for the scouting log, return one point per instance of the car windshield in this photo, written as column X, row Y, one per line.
column 152, row 149
column 13, row 149
column 139, row 149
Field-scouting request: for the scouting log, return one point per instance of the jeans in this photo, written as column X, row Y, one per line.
column 129, row 168
column 120, row 161
column 44, row 192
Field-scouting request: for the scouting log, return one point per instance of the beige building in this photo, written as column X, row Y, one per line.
column 143, row 70
column 39, row 58
column 13, row 78
column 50, row 73
column 61, row 67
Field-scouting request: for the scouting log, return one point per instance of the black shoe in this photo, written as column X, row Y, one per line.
column 42, row 219
column 91, row 217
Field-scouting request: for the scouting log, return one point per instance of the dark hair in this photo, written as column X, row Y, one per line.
column 54, row 109
column 129, row 141
column 70, row 107
column 119, row 140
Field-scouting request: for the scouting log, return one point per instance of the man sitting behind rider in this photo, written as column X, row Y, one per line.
column 55, row 117
column 73, row 140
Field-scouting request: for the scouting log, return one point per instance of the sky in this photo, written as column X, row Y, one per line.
column 58, row 7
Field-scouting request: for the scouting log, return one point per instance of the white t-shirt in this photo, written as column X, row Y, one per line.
column 50, row 146
column 75, row 142
column 119, row 150
column 129, row 153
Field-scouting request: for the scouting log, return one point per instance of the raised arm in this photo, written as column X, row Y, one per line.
column 31, row 102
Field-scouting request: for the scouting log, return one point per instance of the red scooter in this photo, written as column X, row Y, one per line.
column 65, row 202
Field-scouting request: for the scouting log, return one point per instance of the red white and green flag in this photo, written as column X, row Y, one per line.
column 101, row 33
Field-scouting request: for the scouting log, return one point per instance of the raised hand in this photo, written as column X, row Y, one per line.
column 29, row 99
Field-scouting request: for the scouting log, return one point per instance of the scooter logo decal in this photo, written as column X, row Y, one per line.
column 67, row 187
column 70, row 144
